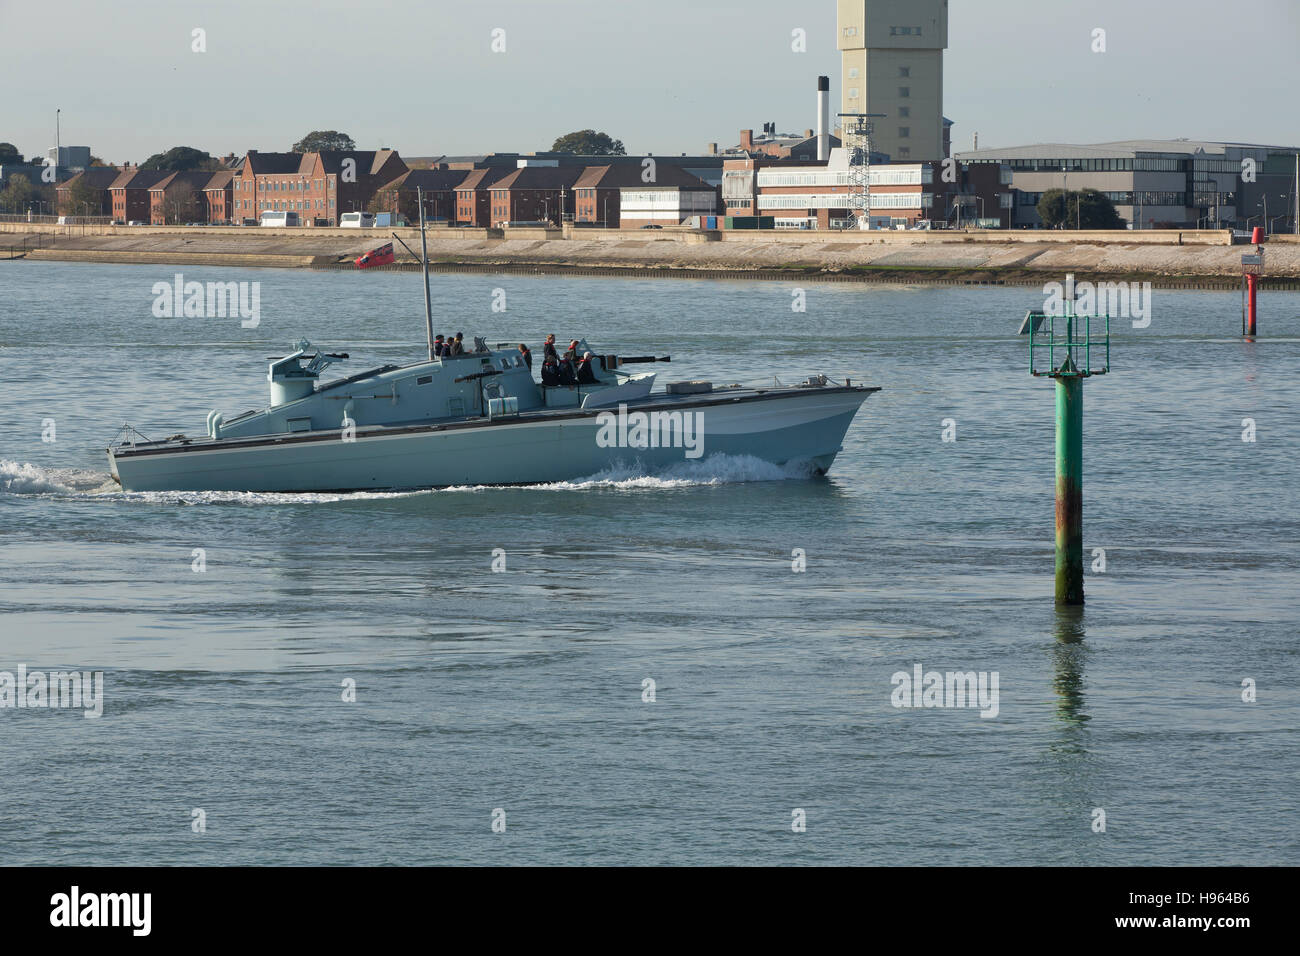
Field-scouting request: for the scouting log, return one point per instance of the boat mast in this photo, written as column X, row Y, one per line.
column 424, row 259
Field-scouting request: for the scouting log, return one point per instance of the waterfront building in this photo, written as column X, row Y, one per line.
column 619, row 196
column 130, row 193
column 1178, row 184
column 474, row 196
column 535, row 194
column 319, row 186
column 177, row 198
column 218, row 196
column 94, row 182
column 438, row 187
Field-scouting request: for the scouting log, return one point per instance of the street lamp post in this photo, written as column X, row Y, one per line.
column 1065, row 198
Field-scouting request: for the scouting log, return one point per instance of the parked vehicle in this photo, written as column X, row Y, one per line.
column 357, row 220
column 279, row 217
column 652, row 226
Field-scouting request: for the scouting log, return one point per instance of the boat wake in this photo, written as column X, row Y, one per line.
column 713, row 470
column 24, row 478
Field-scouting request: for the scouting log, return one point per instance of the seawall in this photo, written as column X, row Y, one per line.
column 1167, row 258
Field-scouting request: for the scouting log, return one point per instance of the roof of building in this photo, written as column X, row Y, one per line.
column 97, row 177
column 136, row 178
column 220, row 179
column 1121, row 149
column 479, row 178
column 197, row 178
column 269, row 163
column 622, row 176
column 431, row 179
column 540, row 177
column 369, row 161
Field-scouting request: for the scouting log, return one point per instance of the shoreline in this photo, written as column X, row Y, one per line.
column 1168, row 260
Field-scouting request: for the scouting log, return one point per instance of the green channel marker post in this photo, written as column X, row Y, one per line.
column 1069, row 353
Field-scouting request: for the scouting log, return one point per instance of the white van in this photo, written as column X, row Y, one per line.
column 357, row 220
column 279, row 217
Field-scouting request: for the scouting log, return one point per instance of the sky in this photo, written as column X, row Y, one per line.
column 667, row 76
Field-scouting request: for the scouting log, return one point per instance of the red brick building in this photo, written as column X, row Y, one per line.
column 474, row 196
column 93, row 182
column 609, row 195
column 177, row 198
column 438, row 187
column 218, row 196
column 319, row 186
column 130, row 193
column 535, row 194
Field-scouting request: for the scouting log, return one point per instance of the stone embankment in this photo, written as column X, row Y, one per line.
column 1166, row 258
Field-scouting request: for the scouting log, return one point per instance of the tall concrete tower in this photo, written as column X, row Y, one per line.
column 891, row 55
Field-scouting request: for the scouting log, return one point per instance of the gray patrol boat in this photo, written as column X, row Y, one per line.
column 480, row 418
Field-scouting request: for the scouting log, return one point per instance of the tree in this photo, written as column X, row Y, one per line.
column 1083, row 209
column 324, row 139
column 9, row 154
column 18, row 193
column 82, row 199
column 588, row 142
column 180, row 158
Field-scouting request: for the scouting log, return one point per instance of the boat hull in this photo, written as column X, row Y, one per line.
column 794, row 426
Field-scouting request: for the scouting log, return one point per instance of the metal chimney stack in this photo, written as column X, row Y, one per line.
column 823, row 118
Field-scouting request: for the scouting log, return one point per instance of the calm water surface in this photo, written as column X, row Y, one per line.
column 523, row 690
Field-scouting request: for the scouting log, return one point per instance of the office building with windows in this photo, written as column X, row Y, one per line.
column 891, row 55
column 1157, row 184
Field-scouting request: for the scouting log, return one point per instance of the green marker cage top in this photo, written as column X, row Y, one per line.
column 1065, row 345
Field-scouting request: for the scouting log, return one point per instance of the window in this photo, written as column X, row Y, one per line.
column 853, row 73
column 853, row 93
column 850, row 31
column 904, row 151
column 904, row 31
column 904, row 91
column 904, row 132
column 904, row 71
column 905, row 112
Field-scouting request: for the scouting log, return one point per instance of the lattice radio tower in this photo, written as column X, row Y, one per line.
column 855, row 132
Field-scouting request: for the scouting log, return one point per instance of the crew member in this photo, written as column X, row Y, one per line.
column 550, row 363
column 437, row 346
column 527, row 355
column 566, row 375
column 586, row 375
